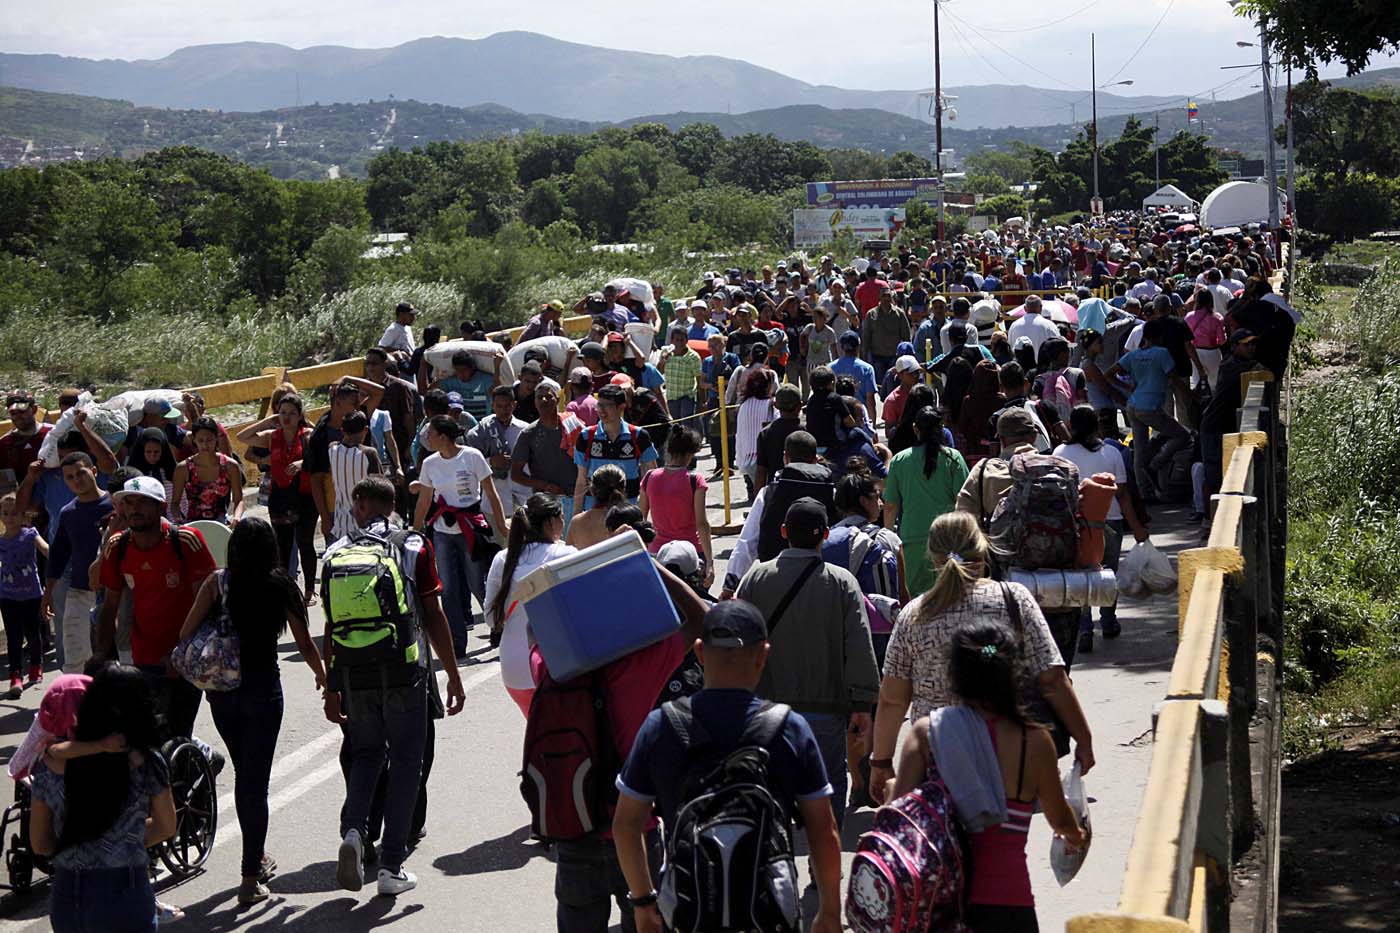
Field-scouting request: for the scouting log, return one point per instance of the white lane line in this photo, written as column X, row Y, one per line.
column 229, row 829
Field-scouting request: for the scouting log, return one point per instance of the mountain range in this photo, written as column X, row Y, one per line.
column 523, row 71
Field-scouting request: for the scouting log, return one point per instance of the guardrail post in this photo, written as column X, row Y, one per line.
column 1213, row 836
column 1241, row 636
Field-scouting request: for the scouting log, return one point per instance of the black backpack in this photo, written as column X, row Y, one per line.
column 729, row 856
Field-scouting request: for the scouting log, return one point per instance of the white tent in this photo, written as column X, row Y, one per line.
column 1237, row 203
column 1168, row 196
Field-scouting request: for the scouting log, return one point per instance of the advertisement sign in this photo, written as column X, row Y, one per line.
column 814, row 226
column 887, row 192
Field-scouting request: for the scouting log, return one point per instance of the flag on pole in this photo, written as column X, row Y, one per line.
column 1192, row 112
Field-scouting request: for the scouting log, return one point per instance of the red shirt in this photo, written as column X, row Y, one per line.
column 163, row 586
column 18, row 451
column 868, row 294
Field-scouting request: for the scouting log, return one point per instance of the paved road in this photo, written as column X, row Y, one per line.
column 476, row 869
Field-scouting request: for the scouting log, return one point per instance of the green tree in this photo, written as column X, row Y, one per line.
column 1351, row 206
column 854, row 165
column 544, row 203
column 1307, row 32
column 103, row 229
column 394, row 177
column 538, row 155
column 609, row 184
column 698, row 147
column 1011, row 167
column 1003, row 206
column 905, row 164
column 985, row 184
column 1339, row 130
column 765, row 164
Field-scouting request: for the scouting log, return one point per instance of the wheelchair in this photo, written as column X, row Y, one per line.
column 183, row 854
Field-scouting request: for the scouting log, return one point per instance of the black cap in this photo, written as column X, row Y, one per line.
column 592, row 350
column 734, row 623
column 806, row 518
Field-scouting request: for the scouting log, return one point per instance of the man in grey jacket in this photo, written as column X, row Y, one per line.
column 822, row 660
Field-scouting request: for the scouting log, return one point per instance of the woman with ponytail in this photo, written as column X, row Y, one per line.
column 607, row 488
column 917, row 660
column 535, row 530
column 982, row 671
column 923, row 484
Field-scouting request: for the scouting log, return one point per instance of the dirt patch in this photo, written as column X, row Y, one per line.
column 1340, row 858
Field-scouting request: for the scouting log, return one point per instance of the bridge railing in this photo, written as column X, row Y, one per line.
column 1198, row 811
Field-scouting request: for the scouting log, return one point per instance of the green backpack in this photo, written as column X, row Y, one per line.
column 371, row 609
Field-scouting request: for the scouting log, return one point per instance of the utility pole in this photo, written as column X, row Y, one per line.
column 1095, row 202
column 1157, row 145
column 1288, row 140
column 1270, row 171
column 938, row 121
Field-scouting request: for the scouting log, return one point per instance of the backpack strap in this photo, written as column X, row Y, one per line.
column 682, row 721
column 765, row 725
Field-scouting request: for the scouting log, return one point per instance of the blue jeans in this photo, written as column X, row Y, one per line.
column 682, row 409
column 249, row 719
column 384, row 722
column 461, row 579
column 830, row 732
column 107, row 900
column 58, row 600
column 882, row 365
column 588, row 878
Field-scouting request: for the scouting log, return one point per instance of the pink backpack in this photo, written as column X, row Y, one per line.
column 908, row 874
column 1058, row 389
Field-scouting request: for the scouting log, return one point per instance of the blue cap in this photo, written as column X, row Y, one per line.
column 454, row 400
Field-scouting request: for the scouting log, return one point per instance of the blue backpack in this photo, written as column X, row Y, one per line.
column 874, row 565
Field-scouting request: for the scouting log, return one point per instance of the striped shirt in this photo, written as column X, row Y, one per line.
column 754, row 414
column 349, row 465
column 683, row 375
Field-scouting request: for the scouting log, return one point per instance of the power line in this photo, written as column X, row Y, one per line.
column 970, row 47
column 1153, row 32
column 1053, row 22
column 1009, row 55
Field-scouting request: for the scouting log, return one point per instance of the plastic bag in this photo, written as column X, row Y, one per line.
column 1158, row 574
column 48, row 448
column 1130, row 572
column 1063, row 862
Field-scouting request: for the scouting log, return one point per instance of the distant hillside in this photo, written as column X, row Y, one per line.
column 525, row 71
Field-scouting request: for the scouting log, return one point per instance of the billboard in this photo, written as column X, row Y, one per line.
column 814, row 226
column 886, row 192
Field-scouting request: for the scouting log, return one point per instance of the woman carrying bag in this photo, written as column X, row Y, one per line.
column 916, row 662
column 258, row 600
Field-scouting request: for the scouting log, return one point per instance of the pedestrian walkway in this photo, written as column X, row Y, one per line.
column 478, row 871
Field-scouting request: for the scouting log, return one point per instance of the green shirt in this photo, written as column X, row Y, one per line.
column 922, row 499
column 665, row 311
column 683, row 374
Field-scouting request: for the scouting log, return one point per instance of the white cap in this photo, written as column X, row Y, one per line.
column 679, row 557
column 147, row 487
column 907, row 364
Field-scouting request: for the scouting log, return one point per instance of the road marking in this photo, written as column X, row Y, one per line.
column 230, row 830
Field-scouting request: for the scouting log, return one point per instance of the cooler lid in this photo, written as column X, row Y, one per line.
column 573, row 566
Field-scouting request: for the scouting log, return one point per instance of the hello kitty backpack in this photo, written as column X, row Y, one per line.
column 909, row 873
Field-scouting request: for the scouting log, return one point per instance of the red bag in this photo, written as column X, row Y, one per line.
column 570, row 761
column 1096, row 495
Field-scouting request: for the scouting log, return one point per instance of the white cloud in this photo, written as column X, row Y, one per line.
column 820, row 41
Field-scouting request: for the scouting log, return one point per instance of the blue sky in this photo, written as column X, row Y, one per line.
column 1162, row 46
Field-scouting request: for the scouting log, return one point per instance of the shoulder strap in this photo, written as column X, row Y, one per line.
column 682, row 720
column 791, row 594
column 765, row 725
column 1021, row 765
column 123, row 542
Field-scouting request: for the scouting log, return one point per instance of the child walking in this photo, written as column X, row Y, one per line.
column 21, row 593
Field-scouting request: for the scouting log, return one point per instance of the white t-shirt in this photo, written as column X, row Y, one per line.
column 398, row 337
column 1036, row 327
column 1221, row 297
column 1104, row 460
column 515, row 638
column 457, row 480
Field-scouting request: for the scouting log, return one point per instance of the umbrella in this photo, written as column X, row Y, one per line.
column 1058, row 311
column 1188, row 228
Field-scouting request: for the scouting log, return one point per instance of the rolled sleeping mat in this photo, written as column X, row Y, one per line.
column 1068, row 589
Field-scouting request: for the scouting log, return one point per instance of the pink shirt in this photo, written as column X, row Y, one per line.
column 586, row 408
column 1207, row 328
column 671, row 497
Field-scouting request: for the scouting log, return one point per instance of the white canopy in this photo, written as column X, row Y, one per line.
column 1237, row 203
column 1168, row 196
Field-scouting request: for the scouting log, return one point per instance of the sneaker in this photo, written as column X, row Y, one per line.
column 252, row 891
column 1086, row 642
column 1112, row 628
column 216, row 762
column 168, row 913
column 266, row 869
column 16, row 687
column 392, row 884
column 36, row 674
column 349, row 871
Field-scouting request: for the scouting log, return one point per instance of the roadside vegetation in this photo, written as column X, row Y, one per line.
column 1342, row 610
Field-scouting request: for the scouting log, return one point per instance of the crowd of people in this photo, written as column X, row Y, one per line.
column 882, row 414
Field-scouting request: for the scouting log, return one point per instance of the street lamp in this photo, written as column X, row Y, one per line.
column 1096, row 202
column 1270, row 172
